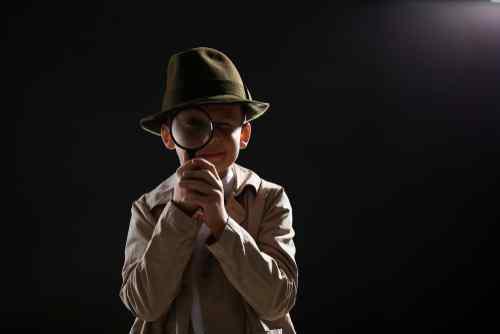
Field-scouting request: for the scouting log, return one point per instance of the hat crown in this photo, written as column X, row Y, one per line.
column 200, row 72
column 203, row 64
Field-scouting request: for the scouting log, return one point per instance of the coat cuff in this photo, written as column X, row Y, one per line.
column 180, row 221
column 229, row 238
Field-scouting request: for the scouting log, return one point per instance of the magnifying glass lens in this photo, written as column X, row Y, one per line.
column 191, row 128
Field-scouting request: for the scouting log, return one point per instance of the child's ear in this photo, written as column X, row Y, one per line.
column 246, row 133
column 167, row 138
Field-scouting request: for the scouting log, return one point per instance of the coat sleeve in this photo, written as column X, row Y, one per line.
column 263, row 271
column 156, row 255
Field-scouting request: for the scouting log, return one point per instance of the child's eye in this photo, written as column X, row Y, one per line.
column 224, row 125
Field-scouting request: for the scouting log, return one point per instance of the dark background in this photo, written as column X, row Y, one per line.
column 384, row 130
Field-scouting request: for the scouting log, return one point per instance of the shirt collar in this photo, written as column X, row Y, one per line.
column 243, row 178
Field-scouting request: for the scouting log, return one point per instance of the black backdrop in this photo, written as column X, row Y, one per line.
column 384, row 130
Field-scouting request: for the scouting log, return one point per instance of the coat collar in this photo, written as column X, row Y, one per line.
column 243, row 178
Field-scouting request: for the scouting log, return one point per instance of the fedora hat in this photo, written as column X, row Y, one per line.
column 200, row 76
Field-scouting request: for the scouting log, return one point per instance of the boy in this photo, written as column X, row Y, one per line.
column 210, row 250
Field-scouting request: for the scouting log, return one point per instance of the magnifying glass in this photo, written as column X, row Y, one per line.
column 191, row 129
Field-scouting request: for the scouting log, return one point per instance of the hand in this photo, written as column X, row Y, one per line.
column 181, row 194
column 199, row 186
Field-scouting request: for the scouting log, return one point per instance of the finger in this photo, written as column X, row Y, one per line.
column 199, row 187
column 196, row 199
column 186, row 165
column 202, row 174
column 201, row 200
column 203, row 163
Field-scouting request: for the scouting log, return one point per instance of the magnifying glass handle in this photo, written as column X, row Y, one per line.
column 191, row 154
column 198, row 215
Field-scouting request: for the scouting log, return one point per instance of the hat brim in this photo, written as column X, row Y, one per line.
column 254, row 109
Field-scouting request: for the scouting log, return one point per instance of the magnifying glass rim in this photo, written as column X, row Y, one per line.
column 188, row 108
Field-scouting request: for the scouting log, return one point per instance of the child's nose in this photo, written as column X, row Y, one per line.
column 217, row 137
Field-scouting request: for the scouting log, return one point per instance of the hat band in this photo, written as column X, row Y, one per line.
column 202, row 89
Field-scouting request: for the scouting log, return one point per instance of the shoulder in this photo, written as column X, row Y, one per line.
column 270, row 188
column 246, row 176
column 157, row 196
column 264, row 188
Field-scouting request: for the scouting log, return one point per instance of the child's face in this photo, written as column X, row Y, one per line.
column 225, row 142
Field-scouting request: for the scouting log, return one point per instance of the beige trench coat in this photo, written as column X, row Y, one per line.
column 249, row 279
